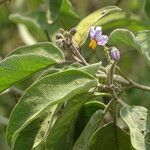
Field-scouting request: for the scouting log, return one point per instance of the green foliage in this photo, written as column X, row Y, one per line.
column 147, row 5
column 21, row 62
column 61, row 9
column 62, row 100
column 66, row 84
column 83, row 141
column 118, row 139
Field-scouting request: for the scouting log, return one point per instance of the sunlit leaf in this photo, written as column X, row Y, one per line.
column 84, row 26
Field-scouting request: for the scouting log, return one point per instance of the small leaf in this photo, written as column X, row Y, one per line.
column 27, row 60
column 110, row 137
column 45, row 93
column 84, row 26
column 138, row 120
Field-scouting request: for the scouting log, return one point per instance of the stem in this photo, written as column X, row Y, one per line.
column 108, row 106
column 79, row 55
column 47, row 35
column 102, row 94
column 123, row 81
column 107, row 54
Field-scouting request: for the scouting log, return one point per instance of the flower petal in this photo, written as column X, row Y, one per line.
column 98, row 32
column 102, row 40
column 92, row 32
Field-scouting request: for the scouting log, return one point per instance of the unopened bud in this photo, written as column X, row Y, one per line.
column 73, row 31
column 61, row 30
column 59, row 36
column 115, row 54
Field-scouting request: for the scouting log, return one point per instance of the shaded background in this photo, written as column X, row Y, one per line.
column 15, row 31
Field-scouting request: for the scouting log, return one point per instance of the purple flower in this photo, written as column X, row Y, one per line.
column 115, row 54
column 96, row 37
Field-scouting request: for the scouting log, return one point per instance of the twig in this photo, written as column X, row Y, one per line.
column 79, row 55
column 121, row 80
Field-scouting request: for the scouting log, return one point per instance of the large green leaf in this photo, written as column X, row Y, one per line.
column 45, row 93
column 140, row 42
column 60, row 136
column 27, row 60
column 110, row 137
column 93, row 124
column 138, row 120
column 84, row 26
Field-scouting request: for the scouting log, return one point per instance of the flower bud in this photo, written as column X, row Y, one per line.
column 73, row 31
column 59, row 36
column 115, row 54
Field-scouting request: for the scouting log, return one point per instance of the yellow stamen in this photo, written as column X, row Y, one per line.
column 92, row 44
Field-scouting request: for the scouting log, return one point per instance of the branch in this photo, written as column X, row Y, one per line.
column 123, row 81
column 78, row 55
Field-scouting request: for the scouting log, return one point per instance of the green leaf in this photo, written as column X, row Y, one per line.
column 60, row 134
column 59, row 7
column 84, row 26
column 93, row 124
column 60, row 10
column 140, row 42
column 143, row 41
column 27, row 60
column 122, row 19
column 35, row 132
column 110, row 137
column 35, row 22
column 45, row 93
column 122, row 36
column 138, row 120
column 91, row 69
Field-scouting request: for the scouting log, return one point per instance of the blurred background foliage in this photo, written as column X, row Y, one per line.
column 24, row 22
